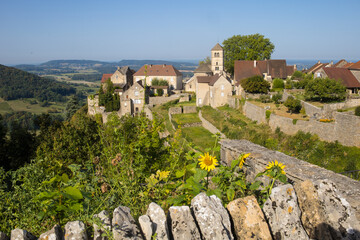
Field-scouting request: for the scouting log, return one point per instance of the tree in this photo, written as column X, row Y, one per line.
column 325, row 90
column 293, row 105
column 246, row 47
column 72, row 106
column 255, row 84
column 278, row 83
column 206, row 60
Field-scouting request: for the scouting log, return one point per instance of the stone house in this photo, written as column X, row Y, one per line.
column 122, row 79
column 202, row 70
column 132, row 100
column 341, row 74
column 355, row 70
column 317, row 66
column 161, row 72
column 217, row 59
column 212, row 90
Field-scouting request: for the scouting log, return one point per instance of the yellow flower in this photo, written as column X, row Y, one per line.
column 242, row 160
column 276, row 164
column 207, row 162
column 162, row 174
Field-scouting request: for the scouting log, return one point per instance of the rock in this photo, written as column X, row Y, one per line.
column 146, row 226
column 340, row 217
column 248, row 219
column 313, row 214
column 75, row 231
column 3, row 236
column 182, row 223
column 124, row 225
column 158, row 217
column 212, row 218
column 283, row 214
column 104, row 222
column 19, row 234
column 54, row 234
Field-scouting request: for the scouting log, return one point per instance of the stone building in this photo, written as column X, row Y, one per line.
column 317, row 66
column 202, row 70
column 217, row 59
column 162, row 72
column 132, row 100
column 122, row 79
column 212, row 90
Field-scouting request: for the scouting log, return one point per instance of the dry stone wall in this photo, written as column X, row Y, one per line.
column 254, row 112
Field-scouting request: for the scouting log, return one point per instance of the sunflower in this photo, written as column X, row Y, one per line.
column 242, row 160
column 276, row 164
column 207, row 162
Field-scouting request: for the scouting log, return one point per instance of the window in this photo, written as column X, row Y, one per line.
column 125, row 104
column 136, row 93
column 137, row 79
column 150, row 79
column 222, row 87
column 137, row 101
column 217, row 63
column 318, row 74
column 222, row 94
column 211, row 94
column 172, row 79
column 199, row 101
column 216, row 68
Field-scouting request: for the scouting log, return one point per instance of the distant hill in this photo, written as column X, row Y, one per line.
column 56, row 67
column 15, row 84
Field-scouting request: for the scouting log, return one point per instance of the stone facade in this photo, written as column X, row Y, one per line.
column 213, row 92
column 217, row 59
column 132, row 101
column 254, row 112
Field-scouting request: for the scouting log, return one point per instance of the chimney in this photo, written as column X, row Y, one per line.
column 118, row 68
column 319, row 62
column 164, row 65
column 254, row 63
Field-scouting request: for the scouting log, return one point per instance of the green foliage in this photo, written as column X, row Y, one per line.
column 159, row 82
column 298, row 75
column 325, row 90
column 15, row 84
column 294, row 121
column 277, row 98
column 293, row 105
column 108, row 98
column 278, row 83
column 246, row 47
column 265, row 99
column 72, row 106
column 160, row 92
column 255, row 84
column 357, row 111
column 206, row 61
column 268, row 113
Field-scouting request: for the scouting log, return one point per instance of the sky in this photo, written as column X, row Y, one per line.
column 36, row 31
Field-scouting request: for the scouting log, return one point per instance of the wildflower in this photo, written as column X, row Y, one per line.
column 116, row 160
column 276, row 165
column 242, row 160
column 207, row 162
column 162, row 174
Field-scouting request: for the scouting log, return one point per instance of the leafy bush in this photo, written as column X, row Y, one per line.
column 357, row 111
column 293, row 105
column 255, row 84
column 265, row 99
column 160, row 92
column 325, row 90
column 268, row 113
column 159, row 82
column 278, row 83
column 277, row 98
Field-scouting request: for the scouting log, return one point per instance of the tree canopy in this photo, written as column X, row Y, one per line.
column 246, row 47
column 325, row 90
column 255, row 84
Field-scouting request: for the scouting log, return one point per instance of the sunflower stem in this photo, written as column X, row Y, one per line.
column 207, row 180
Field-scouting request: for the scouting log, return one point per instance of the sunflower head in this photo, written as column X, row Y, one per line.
column 242, row 160
column 276, row 167
column 207, row 162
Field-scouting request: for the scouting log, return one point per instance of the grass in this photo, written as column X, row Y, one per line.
column 5, row 108
column 25, row 105
column 199, row 136
column 182, row 119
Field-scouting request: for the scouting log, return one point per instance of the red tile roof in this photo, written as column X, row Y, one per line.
column 208, row 79
column 290, row 70
column 105, row 77
column 355, row 66
column 343, row 74
column 245, row 69
column 158, row 70
column 348, row 65
column 316, row 67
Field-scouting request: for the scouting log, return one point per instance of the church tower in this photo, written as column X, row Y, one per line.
column 217, row 59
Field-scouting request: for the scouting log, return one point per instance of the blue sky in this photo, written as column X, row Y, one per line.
column 37, row 31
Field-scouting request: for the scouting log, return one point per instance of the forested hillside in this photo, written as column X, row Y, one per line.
column 15, row 84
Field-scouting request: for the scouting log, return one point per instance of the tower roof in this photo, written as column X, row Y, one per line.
column 203, row 68
column 217, row 47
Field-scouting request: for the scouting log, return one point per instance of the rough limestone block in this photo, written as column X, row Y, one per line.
column 105, row 225
column 3, row 236
column 54, row 234
column 147, row 227
column 124, row 225
column 19, row 234
column 340, row 217
column 75, row 231
column 158, row 217
column 313, row 214
column 283, row 214
column 212, row 218
column 182, row 223
column 248, row 219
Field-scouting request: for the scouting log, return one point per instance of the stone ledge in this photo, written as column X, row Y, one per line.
column 296, row 169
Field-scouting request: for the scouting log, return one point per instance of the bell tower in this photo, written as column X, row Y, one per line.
column 217, row 59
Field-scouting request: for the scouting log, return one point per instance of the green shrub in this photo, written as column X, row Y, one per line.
column 357, row 111
column 278, row 83
column 255, row 84
column 268, row 113
column 277, row 98
column 265, row 99
column 325, row 90
column 293, row 105
column 294, row 121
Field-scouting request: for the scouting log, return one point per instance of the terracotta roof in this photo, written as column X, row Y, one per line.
column 203, row 68
column 245, row 69
column 105, row 77
column 316, row 67
column 158, row 70
column 343, row 74
column 276, row 68
column 217, row 47
column 208, row 79
column 340, row 63
column 290, row 70
column 348, row 65
column 159, row 87
column 355, row 66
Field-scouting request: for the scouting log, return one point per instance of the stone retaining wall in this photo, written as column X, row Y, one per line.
column 211, row 128
column 254, row 112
